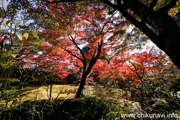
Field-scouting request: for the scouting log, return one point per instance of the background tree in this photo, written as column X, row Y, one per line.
column 9, row 45
column 87, row 38
column 156, row 23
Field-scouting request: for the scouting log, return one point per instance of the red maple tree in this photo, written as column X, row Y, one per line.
column 89, row 36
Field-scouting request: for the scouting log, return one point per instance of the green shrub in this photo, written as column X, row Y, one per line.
column 68, row 109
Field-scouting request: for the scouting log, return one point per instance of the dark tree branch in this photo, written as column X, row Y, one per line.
column 140, row 77
column 94, row 59
column 99, row 49
column 109, row 21
column 119, row 2
column 143, row 27
column 82, row 53
column 152, row 5
column 72, row 54
column 73, row 40
column 2, row 45
column 93, row 55
column 102, row 58
column 104, row 26
column 166, row 36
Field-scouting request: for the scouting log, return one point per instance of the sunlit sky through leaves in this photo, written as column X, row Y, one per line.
column 4, row 4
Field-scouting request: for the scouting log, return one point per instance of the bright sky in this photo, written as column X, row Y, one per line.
column 4, row 3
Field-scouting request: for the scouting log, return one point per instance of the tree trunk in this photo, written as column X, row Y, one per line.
column 50, row 92
column 82, row 83
column 88, row 70
column 167, row 31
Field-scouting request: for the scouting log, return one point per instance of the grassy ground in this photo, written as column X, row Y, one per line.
column 43, row 92
column 69, row 91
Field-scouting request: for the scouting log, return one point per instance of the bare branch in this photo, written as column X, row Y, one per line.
column 136, row 71
column 72, row 54
column 73, row 40
column 103, row 58
column 106, row 23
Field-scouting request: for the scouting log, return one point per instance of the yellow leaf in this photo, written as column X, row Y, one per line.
column 6, row 23
column 36, row 36
column 56, row 24
column 20, row 37
column 26, row 35
column 15, row 23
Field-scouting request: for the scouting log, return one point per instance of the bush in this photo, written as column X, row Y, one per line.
column 154, row 96
column 68, row 109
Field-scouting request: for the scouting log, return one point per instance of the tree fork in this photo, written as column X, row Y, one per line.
column 86, row 72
